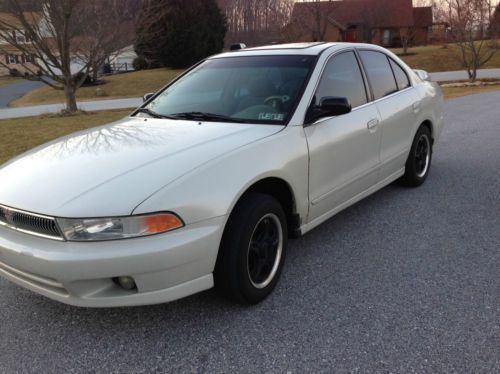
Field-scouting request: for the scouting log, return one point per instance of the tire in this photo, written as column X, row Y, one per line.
column 253, row 249
column 419, row 160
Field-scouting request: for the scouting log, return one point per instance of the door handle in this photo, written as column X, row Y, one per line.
column 372, row 124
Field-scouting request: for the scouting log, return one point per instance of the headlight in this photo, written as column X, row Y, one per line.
column 97, row 229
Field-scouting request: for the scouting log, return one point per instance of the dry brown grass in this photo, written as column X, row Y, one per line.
column 436, row 58
column 452, row 92
column 134, row 84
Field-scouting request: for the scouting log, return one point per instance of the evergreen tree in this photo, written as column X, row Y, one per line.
column 495, row 23
column 178, row 33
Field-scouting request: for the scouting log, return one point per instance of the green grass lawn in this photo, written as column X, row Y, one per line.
column 437, row 58
column 20, row 135
column 134, row 84
column 5, row 81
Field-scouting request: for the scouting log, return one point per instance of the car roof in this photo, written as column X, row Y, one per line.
column 308, row 49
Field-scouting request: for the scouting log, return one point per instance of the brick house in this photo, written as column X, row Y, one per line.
column 10, row 57
column 422, row 25
column 382, row 22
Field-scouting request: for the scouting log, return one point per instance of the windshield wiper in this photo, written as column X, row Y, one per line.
column 202, row 116
column 154, row 114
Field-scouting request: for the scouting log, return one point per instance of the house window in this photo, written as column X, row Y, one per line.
column 386, row 38
column 29, row 58
column 11, row 59
column 20, row 38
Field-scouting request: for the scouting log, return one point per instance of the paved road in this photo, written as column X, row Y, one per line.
column 462, row 75
column 15, row 90
column 406, row 281
column 54, row 108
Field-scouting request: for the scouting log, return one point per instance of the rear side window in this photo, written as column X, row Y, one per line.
column 379, row 73
column 401, row 77
column 342, row 78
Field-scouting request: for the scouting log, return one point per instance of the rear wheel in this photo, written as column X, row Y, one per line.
column 419, row 160
column 252, row 250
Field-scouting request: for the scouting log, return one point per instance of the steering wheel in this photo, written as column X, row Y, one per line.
column 276, row 101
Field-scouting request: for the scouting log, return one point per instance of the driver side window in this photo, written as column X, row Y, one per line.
column 342, row 78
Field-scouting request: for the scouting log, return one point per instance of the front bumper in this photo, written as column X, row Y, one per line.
column 165, row 267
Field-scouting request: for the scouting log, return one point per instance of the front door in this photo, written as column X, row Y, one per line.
column 344, row 150
column 350, row 36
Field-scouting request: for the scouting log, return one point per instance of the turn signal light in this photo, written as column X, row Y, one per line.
column 162, row 223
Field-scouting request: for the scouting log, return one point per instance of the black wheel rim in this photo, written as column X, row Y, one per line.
column 422, row 156
column 264, row 251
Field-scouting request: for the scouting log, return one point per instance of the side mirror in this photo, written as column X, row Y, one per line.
column 422, row 74
column 335, row 106
column 147, row 96
column 329, row 107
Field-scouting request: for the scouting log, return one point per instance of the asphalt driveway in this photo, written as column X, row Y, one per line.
column 408, row 280
column 15, row 90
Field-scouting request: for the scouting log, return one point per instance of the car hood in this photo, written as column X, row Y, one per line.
column 109, row 170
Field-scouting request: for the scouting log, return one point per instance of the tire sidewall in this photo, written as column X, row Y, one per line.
column 235, row 247
column 411, row 174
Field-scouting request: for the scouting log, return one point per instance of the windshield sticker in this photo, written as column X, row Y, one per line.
column 272, row 116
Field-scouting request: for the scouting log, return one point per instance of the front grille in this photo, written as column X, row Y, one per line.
column 29, row 223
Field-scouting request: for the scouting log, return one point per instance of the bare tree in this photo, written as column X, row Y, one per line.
column 46, row 36
column 370, row 20
column 406, row 35
column 317, row 21
column 494, row 29
column 467, row 20
column 105, row 27
column 319, row 25
column 255, row 22
column 422, row 9
column 51, row 40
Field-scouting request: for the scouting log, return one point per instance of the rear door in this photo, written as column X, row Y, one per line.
column 398, row 104
column 344, row 150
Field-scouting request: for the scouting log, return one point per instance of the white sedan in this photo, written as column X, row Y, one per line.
column 204, row 184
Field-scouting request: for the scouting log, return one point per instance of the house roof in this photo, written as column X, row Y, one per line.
column 13, row 22
column 422, row 16
column 379, row 13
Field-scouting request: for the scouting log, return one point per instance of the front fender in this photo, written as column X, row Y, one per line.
column 213, row 189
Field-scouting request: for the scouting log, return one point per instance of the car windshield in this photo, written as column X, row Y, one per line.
column 252, row 89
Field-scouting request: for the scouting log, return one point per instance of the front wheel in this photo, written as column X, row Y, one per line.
column 419, row 160
column 252, row 250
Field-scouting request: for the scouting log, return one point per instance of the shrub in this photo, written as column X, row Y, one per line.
column 186, row 32
column 140, row 63
column 15, row 73
column 87, row 79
